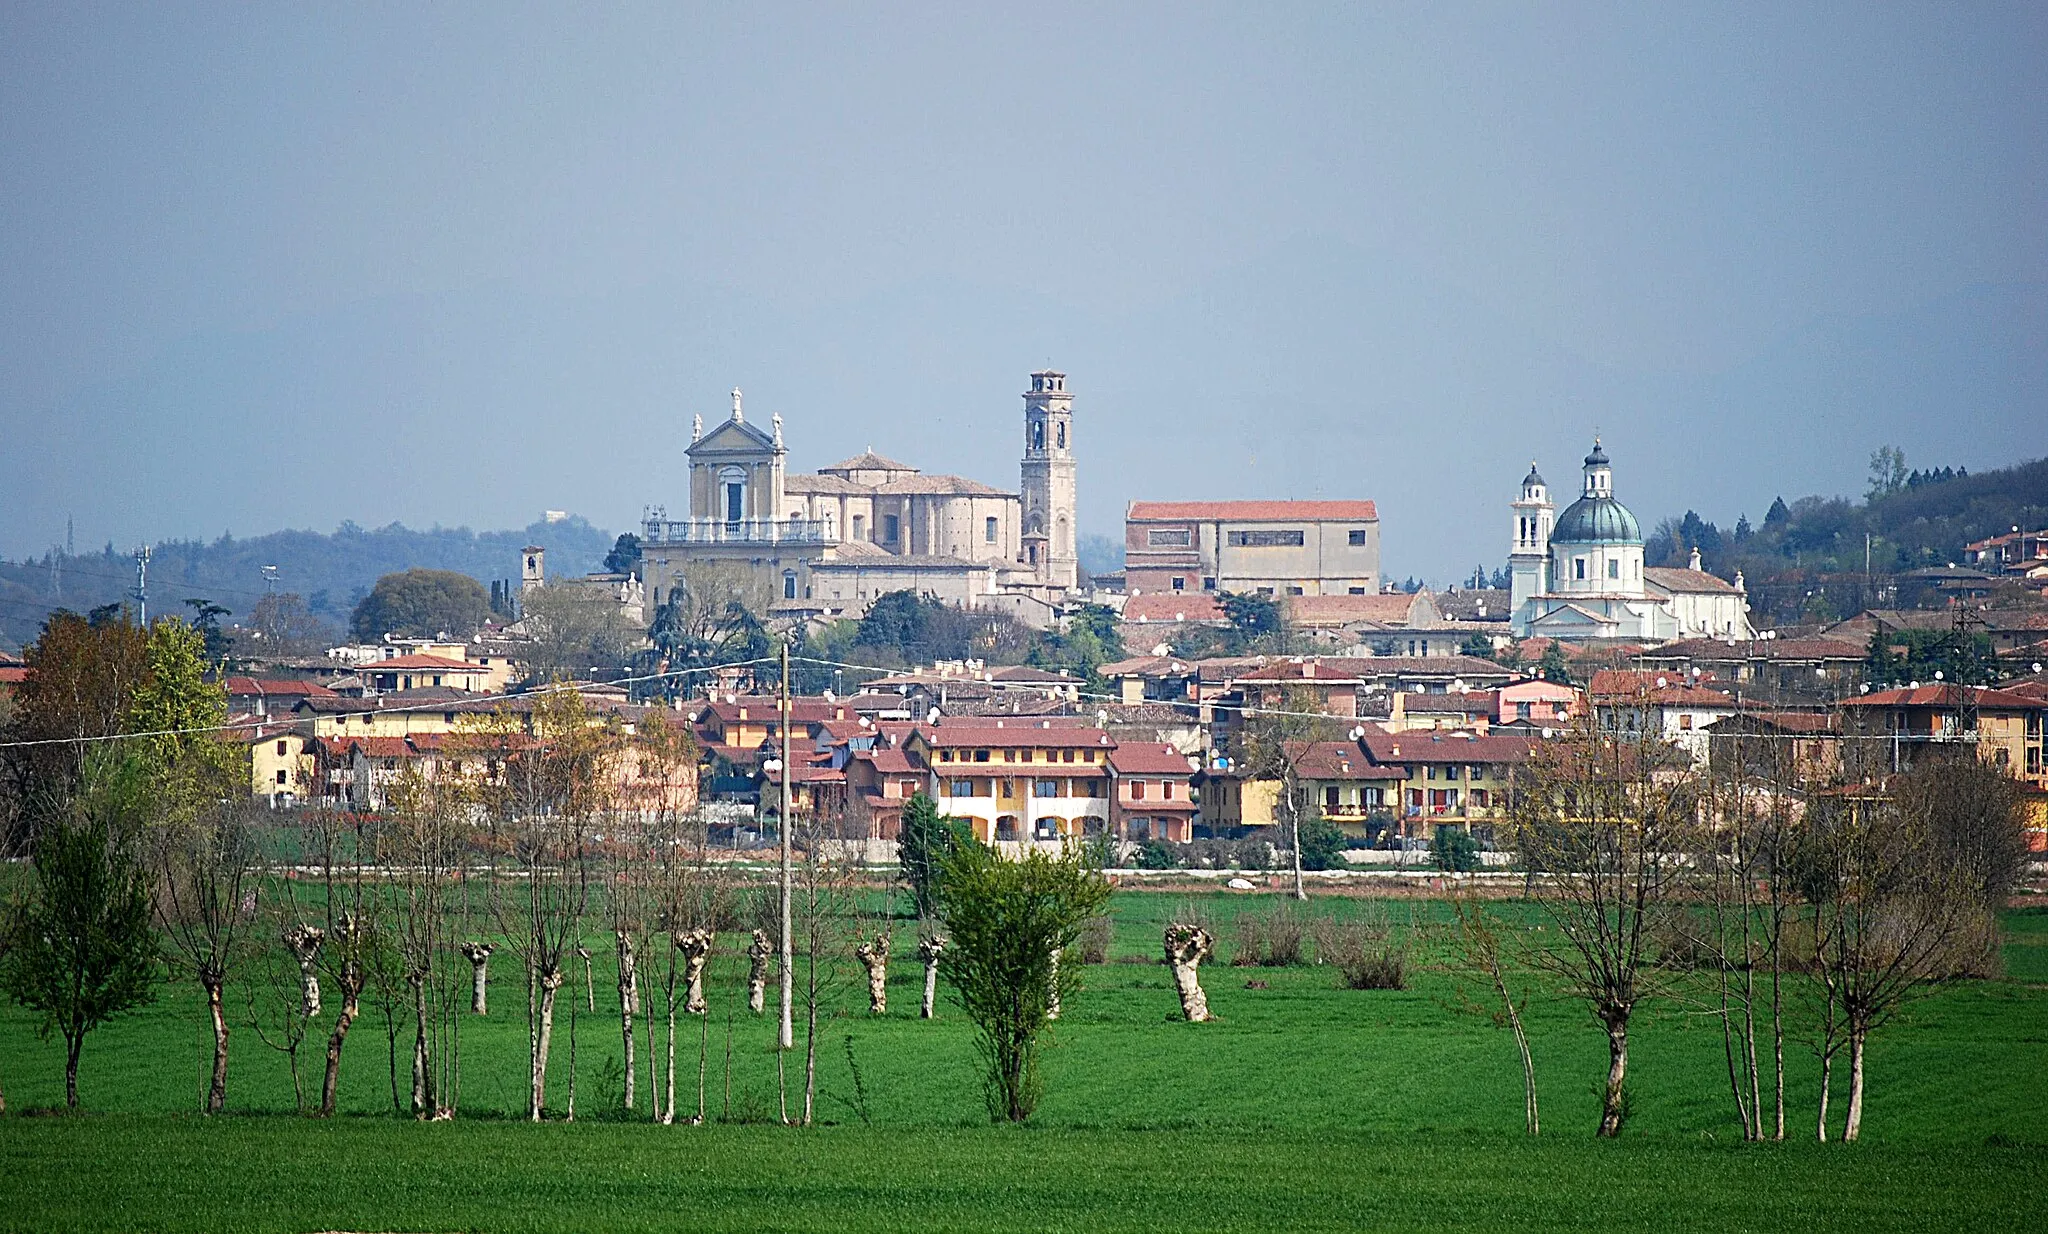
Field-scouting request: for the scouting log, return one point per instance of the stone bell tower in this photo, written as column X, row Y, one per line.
column 1048, row 481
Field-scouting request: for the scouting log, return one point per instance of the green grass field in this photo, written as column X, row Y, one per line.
column 1302, row 1105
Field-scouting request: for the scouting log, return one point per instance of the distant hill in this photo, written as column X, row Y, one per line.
column 1802, row 559
column 331, row 571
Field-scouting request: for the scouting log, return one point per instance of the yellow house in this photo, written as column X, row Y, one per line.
column 1027, row 780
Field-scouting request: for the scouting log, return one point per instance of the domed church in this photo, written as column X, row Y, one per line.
column 1581, row 576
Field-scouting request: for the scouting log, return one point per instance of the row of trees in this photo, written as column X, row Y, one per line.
column 1719, row 887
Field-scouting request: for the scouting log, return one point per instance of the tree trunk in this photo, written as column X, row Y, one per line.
column 629, row 1002
column 1294, row 828
column 422, row 1070
column 1535, row 1123
column 1827, row 1080
column 1186, row 947
column 217, row 1093
column 351, row 987
column 72, row 1044
column 1611, row 1111
column 550, row 982
column 1854, row 1126
column 303, row 941
column 696, row 948
column 479, row 970
column 757, row 972
column 929, row 949
column 875, row 956
column 1052, row 990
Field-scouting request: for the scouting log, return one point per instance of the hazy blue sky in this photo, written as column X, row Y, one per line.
column 278, row 265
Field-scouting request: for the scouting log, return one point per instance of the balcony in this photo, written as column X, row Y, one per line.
column 743, row 531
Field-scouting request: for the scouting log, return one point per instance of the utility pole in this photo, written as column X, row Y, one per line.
column 788, row 1038
column 142, row 582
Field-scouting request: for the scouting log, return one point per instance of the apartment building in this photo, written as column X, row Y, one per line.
column 1274, row 548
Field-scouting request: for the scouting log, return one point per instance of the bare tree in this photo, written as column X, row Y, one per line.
column 1602, row 822
column 1271, row 745
column 425, row 845
column 1485, row 952
column 342, row 849
column 1896, row 907
column 478, row 954
column 205, row 901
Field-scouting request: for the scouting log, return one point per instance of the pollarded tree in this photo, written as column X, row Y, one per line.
column 79, row 946
column 1896, row 908
column 1602, row 822
column 1007, row 922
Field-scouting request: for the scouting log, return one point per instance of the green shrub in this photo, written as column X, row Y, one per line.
column 1453, row 849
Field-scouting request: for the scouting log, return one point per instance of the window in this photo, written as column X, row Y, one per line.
column 860, row 524
column 960, row 788
column 945, row 756
column 1265, row 591
column 280, row 775
column 1038, row 434
column 1685, row 721
column 1294, row 591
column 1579, row 568
column 1009, row 756
column 1062, row 427
column 1356, row 591
column 1066, row 756
column 906, row 788
column 981, row 756
column 280, row 747
column 1481, row 799
column 1266, row 539
column 1137, row 790
column 735, row 501
column 1179, row 583
column 1356, row 537
column 988, row 530
column 789, row 584
column 1169, row 537
column 1092, row 788
column 892, row 527
column 1329, row 796
column 1045, row 788
column 1208, row 584
column 1521, row 711
column 1613, row 568
column 1475, row 773
column 1166, row 790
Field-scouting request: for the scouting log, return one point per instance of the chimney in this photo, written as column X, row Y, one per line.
column 1695, row 557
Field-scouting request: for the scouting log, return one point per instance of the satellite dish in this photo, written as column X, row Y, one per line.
column 1937, row 674
column 932, row 716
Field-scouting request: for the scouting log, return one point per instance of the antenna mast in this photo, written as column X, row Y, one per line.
column 142, row 582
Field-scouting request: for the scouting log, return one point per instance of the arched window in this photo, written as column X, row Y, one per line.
column 1038, row 434
column 789, row 584
column 1063, row 434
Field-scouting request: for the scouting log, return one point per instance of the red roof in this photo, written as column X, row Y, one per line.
column 1255, row 511
column 272, row 686
column 414, row 663
column 1629, row 684
column 889, row 762
column 1149, row 759
column 1435, row 747
column 11, row 675
column 1169, row 606
column 1020, row 736
column 1387, row 607
column 1311, row 669
column 768, row 707
column 1340, row 760
column 1945, row 695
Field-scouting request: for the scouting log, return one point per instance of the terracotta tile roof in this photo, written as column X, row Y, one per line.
column 1471, row 702
column 1340, row 760
column 13, row 674
column 1437, row 747
column 1149, row 758
column 272, row 687
column 1946, row 695
column 1390, row 609
column 1254, row 511
column 768, row 707
column 889, row 762
column 1671, row 579
column 1024, row 672
column 1783, row 721
column 1018, row 736
column 868, row 460
column 1759, row 649
column 416, row 662
column 1173, row 606
column 1146, row 666
column 1311, row 669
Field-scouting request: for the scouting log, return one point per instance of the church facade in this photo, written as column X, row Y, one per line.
column 829, row 542
column 1580, row 575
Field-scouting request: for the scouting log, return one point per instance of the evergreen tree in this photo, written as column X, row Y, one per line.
column 924, row 841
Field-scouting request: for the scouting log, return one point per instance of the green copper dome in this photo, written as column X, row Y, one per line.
column 1596, row 520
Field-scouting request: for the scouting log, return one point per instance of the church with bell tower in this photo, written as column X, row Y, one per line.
column 828, row 543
